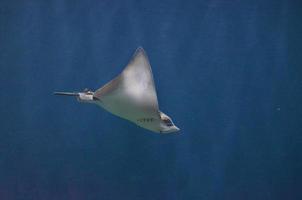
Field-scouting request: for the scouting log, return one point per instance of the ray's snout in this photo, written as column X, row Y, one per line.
column 174, row 129
column 171, row 129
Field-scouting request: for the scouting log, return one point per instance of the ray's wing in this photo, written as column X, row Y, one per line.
column 132, row 94
column 138, row 79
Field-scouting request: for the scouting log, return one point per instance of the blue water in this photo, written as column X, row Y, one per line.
column 227, row 72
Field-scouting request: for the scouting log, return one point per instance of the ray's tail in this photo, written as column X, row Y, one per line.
column 67, row 93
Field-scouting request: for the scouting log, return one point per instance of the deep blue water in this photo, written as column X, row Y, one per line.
column 227, row 72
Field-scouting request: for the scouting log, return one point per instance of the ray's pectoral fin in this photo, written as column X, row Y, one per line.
column 131, row 94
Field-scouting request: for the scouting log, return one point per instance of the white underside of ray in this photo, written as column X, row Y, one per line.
column 132, row 94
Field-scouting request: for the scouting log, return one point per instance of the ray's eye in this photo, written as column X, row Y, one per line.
column 168, row 122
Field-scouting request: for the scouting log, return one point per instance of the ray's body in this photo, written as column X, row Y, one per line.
column 132, row 96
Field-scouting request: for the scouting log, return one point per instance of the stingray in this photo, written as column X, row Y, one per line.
column 131, row 95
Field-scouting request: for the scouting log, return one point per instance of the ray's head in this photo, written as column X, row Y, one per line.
column 166, row 124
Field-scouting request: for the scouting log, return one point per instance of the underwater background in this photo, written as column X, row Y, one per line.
column 227, row 72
